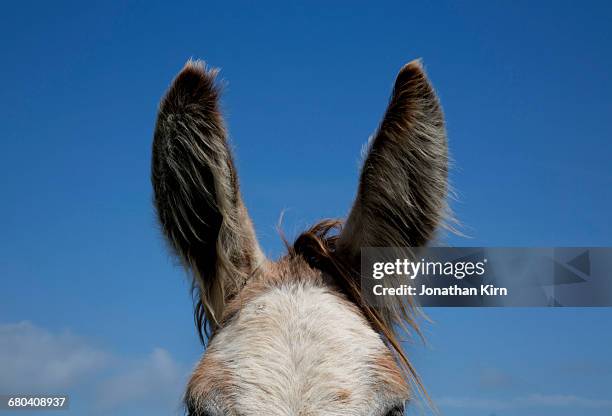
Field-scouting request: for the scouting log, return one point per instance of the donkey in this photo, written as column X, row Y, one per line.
column 295, row 336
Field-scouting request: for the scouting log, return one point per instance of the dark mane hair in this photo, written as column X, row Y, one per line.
column 317, row 246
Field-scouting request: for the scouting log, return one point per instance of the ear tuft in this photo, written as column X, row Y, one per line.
column 195, row 85
column 415, row 66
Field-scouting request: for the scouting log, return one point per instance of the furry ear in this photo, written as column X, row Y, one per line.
column 403, row 185
column 196, row 191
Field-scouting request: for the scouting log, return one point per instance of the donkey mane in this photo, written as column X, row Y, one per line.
column 318, row 247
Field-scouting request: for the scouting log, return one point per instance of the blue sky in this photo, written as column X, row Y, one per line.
column 87, row 285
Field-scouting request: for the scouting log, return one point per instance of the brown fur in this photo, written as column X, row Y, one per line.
column 210, row 385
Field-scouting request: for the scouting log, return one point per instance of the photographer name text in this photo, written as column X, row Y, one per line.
column 411, row 270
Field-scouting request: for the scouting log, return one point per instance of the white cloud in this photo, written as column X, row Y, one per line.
column 34, row 360
column 154, row 381
column 471, row 403
column 528, row 401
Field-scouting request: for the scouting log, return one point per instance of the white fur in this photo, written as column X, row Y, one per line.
column 296, row 350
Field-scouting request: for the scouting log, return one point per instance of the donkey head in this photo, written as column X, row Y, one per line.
column 294, row 336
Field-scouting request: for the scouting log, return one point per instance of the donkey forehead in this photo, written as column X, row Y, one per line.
column 297, row 349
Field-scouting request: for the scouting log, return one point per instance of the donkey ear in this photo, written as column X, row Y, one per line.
column 403, row 185
column 196, row 191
